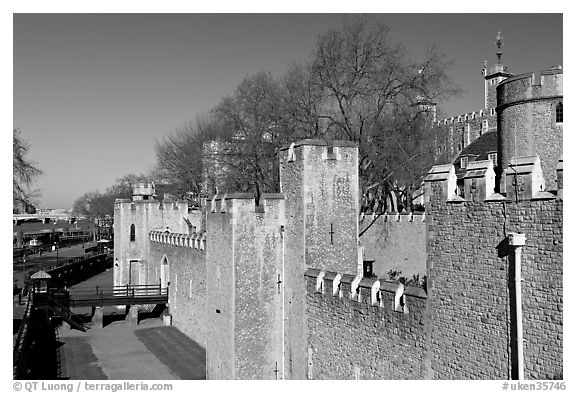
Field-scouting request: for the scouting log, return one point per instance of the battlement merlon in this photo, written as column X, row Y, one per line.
column 479, row 180
column 330, row 150
column 466, row 117
column 524, row 181
column 135, row 204
column 370, row 291
column 440, row 183
column 174, row 205
column 549, row 82
column 229, row 203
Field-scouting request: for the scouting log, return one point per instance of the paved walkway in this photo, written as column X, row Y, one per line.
column 184, row 357
column 149, row 351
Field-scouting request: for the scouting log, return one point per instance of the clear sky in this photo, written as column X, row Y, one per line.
column 93, row 91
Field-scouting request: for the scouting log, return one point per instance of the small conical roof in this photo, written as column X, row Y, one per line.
column 39, row 275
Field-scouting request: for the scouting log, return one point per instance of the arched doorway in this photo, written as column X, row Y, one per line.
column 164, row 272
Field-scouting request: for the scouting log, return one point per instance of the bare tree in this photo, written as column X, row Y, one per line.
column 359, row 85
column 253, row 118
column 99, row 207
column 24, row 171
column 179, row 157
column 373, row 94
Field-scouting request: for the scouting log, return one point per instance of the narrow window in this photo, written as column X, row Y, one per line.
column 559, row 113
column 481, row 129
column 132, row 233
column 463, row 162
column 494, row 158
column 368, row 269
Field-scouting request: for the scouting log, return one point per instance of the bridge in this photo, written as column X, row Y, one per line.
column 44, row 217
column 60, row 301
column 124, row 295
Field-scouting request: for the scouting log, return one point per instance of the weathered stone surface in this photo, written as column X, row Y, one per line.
column 527, row 120
column 345, row 334
column 471, row 300
column 395, row 245
column 187, row 289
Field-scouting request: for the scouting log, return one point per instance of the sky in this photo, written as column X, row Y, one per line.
column 92, row 92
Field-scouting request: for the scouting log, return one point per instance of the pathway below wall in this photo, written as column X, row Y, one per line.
column 149, row 351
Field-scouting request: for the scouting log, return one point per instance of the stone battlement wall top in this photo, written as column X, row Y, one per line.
column 389, row 295
column 318, row 142
column 467, row 117
column 523, row 181
column 195, row 241
column 545, row 84
column 354, row 312
column 166, row 205
column 417, row 216
column 144, row 188
column 228, row 203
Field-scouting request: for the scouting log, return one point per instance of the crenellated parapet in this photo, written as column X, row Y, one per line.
column 143, row 191
column 383, row 294
column 149, row 204
column 235, row 202
column 196, row 241
column 467, row 117
column 416, row 216
column 523, row 179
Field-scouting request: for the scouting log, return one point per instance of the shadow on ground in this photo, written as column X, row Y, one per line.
column 183, row 356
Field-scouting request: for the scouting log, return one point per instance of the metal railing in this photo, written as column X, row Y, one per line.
column 22, row 343
column 118, row 295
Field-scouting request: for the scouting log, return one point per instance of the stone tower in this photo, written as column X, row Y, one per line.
column 244, row 277
column 320, row 186
column 530, row 120
column 133, row 221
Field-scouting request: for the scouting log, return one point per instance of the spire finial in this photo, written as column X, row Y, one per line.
column 499, row 46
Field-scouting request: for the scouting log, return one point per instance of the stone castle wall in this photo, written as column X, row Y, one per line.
column 363, row 331
column 455, row 133
column 145, row 215
column 471, row 287
column 395, row 242
column 187, row 289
